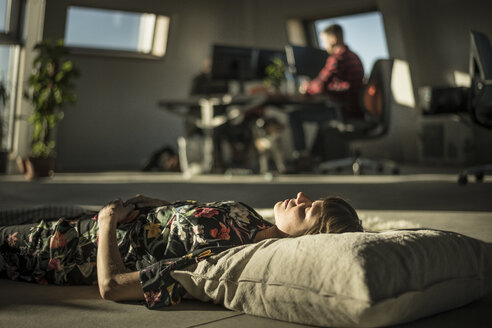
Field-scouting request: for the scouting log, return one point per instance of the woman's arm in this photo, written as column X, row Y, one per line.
column 115, row 282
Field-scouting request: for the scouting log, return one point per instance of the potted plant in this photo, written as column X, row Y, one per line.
column 51, row 89
column 275, row 74
column 3, row 103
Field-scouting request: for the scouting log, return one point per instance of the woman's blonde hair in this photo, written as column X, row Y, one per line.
column 337, row 216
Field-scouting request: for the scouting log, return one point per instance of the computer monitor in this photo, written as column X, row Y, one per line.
column 305, row 61
column 232, row 63
column 480, row 97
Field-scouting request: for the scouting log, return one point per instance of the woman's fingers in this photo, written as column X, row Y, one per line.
column 147, row 203
column 129, row 207
column 119, row 205
column 136, row 199
column 119, row 209
column 130, row 217
column 143, row 201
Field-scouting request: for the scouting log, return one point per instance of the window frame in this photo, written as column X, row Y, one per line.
column 15, row 23
column 117, row 53
column 13, row 37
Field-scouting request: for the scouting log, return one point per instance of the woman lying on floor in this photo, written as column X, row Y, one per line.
column 129, row 248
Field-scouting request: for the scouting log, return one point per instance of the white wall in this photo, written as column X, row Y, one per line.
column 116, row 122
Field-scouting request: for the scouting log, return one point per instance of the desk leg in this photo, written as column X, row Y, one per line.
column 183, row 156
column 207, row 112
column 208, row 151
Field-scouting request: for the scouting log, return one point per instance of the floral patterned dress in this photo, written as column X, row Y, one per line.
column 157, row 241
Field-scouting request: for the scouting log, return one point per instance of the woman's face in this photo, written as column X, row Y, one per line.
column 295, row 216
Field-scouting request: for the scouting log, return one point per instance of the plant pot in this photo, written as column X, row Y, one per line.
column 38, row 167
column 3, row 161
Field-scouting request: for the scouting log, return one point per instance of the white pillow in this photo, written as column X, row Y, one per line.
column 350, row 279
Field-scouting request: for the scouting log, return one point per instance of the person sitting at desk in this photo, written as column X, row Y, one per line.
column 341, row 79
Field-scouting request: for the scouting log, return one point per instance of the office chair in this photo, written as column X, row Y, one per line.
column 376, row 101
column 480, row 95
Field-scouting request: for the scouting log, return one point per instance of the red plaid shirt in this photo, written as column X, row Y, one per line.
column 341, row 78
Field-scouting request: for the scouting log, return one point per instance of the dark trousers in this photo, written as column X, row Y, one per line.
column 314, row 113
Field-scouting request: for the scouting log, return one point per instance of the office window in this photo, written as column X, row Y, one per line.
column 363, row 33
column 11, row 17
column 3, row 15
column 116, row 32
column 9, row 55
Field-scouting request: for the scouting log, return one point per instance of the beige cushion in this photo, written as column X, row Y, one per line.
column 351, row 279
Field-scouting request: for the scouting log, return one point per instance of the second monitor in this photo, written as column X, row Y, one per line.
column 305, row 61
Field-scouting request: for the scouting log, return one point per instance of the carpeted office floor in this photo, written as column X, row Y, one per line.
column 421, row 199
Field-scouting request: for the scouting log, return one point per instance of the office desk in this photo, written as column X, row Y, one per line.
column 240, row 104
column 244, row 103
column 206, row 105
column 207, row 121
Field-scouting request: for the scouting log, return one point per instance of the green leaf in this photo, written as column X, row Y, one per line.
column 59, row 76
column 43, row 97
column 67, row 66
column 58, row 96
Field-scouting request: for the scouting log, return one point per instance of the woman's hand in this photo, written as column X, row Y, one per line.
column 117, row 212
column 115, row 281
column 143, row 201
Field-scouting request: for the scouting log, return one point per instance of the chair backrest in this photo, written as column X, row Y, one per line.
column 376, row 96
column 480, row 98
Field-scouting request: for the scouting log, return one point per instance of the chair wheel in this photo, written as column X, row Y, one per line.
column 395, row 171
column 479, row 177
column 462, row 179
